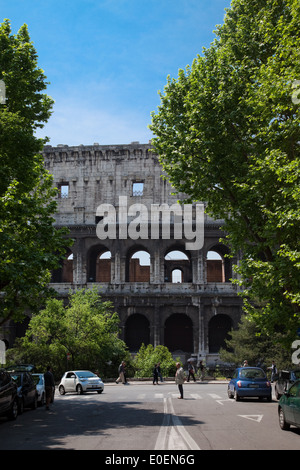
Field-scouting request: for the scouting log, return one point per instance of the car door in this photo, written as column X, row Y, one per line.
column 70, row 382
column 291, row 403
column 31, row 388
column 4, row 390
column 296, row 404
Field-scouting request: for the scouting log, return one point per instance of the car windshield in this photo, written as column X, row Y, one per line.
column 85, row 373
column 252, row 374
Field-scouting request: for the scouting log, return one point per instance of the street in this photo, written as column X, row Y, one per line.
column 140, row 416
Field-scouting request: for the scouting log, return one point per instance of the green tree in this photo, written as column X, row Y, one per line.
column 247, row 343
column 227, row 132
column 86, row 329
column 30, row 245
column 148, row 356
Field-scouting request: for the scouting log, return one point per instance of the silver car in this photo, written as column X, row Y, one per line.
column 80, row 381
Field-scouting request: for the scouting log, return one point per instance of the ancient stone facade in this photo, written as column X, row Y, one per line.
column 191, row 313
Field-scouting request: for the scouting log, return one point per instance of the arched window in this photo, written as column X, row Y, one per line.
column 179, row 333
column 65, row 272
column 218, row 329
column 103, row 267
column 99, row 264
column 215, row 267
column 139, row 267
column 177, row 267
column 137, row 331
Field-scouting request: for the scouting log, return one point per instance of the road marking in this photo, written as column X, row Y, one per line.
column 226, row 399
column 196, row 396
column 256, row 418
column 159, row 395
column 172, row 434
column 214, row 396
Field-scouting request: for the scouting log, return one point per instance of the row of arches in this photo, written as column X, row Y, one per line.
column 177, row 266
column 178, row 332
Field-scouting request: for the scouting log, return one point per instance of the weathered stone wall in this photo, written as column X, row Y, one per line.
column 190, row 316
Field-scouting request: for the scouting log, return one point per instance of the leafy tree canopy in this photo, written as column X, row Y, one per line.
column 227, row 132
column 30, row 245
column 86, row 330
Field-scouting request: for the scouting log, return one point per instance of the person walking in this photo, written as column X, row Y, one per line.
column 49, row 386
column 202, row 370
column 273, row 371
column 179, row 379
column 155, row 375
column 122, row 373
column 191, row 372
column 159, row 372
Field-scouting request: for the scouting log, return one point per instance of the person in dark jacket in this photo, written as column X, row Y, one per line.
column 49, row 385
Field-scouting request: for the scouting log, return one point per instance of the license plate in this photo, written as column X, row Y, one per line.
column 253, row 385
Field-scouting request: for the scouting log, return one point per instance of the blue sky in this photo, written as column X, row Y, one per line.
column 106, row 60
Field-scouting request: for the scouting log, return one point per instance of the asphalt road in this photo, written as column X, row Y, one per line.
column 150, row 418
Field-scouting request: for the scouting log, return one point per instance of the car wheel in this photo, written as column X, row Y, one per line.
column 61, row 390
column 236, row 395
column 229, row 393
column 282, row 422
column 277, row 395
column 79, row 389
column 99, row 391
column 13, row 413
column 42, row 400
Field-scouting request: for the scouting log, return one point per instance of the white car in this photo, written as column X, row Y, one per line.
column 40, row 388
column 80, row 381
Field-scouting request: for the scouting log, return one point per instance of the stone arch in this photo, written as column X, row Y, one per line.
column 178, row 334
column 99, row 264
column 137, row 331
column 65, row 272
column 138, row 264
column 178, row 259
column 218, row 266
column 218, row 329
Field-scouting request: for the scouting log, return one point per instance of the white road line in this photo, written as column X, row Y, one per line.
column 172, row 434
column 196, row 396
column 214, row 396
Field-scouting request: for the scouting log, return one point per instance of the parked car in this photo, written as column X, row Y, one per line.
column 8, row 396
column 80, row 381
column 289, row 407
column 284, row 380
column 27, row 394
column 249, row 382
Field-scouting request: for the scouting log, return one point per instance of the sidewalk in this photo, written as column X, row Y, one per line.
column 167, row 381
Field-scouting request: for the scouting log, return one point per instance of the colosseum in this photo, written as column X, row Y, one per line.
column 163, row 292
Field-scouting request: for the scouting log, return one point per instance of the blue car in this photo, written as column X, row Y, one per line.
column 249, row 382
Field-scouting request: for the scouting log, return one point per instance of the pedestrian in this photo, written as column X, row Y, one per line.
column 159, row 372
column 49, row 386
column 179, row 379
column 202, row 370
column 273, row 371
column 245, row 364
column 122, row 373
column 155, row 375
column 191, row 371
